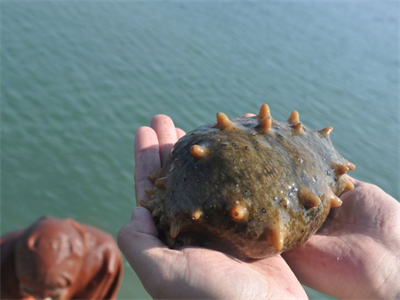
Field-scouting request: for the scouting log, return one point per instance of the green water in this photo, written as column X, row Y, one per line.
column 78, row 78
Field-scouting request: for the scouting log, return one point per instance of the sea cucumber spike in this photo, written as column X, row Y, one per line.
column 199, row 151
column 351, row 166
column 150, row 191
column 334, row 200
column 294, row 118
column 174, row 230
column 326, row 131
column 277, row 238
column 264, row 112
column 155, row 175
column 146, row 204
column 299, row 128
column 348, row 185
column 160, row 183
column 266, row 125
column 239, row 213
column 223, row 121
column 197, row 214
column 187, row 241
column 339, row 169
column 308, row 197
column 156, row 212
column 170, row 241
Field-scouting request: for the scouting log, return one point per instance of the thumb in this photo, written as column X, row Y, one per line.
column 147, row 255
column 139, row 234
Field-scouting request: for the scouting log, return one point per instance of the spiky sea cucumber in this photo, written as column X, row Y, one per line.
column 251, row 187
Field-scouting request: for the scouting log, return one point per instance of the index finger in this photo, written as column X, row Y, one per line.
column 147, row 160
column 166, row 133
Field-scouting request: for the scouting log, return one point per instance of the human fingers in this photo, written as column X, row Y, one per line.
column 350, row 244
column 179, row 133
column 166, row 134
column 139, row 243
column 345, row 267
column 147, row 159
column 365, row 208
column 315, row 263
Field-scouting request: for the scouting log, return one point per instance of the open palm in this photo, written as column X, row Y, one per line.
column 191, row 272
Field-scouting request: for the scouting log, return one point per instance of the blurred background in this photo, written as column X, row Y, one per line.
column 79, row 77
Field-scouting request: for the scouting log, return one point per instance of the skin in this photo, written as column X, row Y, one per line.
column 359, row 245
column 364, row 234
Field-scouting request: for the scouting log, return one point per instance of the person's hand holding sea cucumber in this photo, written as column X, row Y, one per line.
column 192, row 272
column 355, row 255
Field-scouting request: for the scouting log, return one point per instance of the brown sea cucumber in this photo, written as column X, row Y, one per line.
column 252, row 187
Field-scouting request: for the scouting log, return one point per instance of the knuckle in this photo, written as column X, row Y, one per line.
column 120, row 240
column 123, row 236
column 167, row 137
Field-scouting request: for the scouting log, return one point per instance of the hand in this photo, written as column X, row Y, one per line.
column 191, row 272
column 356, row 252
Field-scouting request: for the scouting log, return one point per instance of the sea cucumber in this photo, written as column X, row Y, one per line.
column 252, row 187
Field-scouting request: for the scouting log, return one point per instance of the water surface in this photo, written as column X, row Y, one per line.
column 78, row 78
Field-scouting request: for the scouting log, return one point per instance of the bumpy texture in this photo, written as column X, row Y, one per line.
column 251, row 187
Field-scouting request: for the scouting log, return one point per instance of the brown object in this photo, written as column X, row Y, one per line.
column 252, row 187
column 59, row 259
